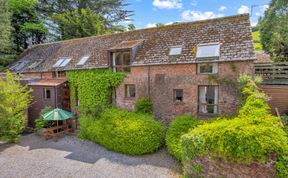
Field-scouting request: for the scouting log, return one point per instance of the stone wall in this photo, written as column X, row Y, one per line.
column 159, row 81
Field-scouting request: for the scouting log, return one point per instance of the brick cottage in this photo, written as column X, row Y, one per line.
column 180, row 67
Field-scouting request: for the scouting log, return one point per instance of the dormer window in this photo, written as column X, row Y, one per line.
column 83, row 60
column 121, row 62
column 62, row 62
column 175, row 51
column 208, row 50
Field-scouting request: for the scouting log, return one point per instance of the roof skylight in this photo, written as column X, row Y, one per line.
column 83, row 60
column 175, row 51
column 35, row 64
column 62, row 62
column 19, row 65
column 208, row 50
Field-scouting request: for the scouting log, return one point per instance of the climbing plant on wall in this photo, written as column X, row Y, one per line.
column 93, row 88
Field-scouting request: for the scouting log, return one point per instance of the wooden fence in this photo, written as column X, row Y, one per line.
column 272, row 72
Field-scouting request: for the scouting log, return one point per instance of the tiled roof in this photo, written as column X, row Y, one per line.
column 262, row 57
column 127, row 44
column 233, row 33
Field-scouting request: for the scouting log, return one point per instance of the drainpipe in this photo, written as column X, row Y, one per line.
column 56, row 97
column 149, row 82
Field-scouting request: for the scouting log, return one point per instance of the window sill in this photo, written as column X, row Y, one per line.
column 178, row 103
column 207, row 73
column 208, row 114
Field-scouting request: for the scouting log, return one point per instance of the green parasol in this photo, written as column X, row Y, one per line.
column 57, row 115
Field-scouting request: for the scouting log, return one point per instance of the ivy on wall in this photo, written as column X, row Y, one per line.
column 94, row 87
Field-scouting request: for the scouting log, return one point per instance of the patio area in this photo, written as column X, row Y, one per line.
column 71, row 157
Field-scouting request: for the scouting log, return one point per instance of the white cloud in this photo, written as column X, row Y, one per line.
column 189, row 15
column 243, row 9
column 264, row 7
column 222, row 8
column 194, row 3
column 167, row 4
column 150, row 25
column 254, row 22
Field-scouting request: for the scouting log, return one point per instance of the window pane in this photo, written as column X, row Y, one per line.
column 65, row 62
column 208, row 99
column 46, row 93
column 57, row 64
column 175, row 51
column 208, row 50
column 206, row 68
column 178, row 95
column 126, row 57
column 117, row 59
column 130, row 91
column 83, row 60
column 210, row 96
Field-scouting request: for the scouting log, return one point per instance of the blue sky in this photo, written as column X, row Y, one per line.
column 149, row 12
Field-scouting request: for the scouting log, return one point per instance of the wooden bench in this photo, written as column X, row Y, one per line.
column 55, row 132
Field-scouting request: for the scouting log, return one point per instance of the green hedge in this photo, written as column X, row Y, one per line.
column 251, row 136
column 123, row 131
column 178, row 127
column 241, row 139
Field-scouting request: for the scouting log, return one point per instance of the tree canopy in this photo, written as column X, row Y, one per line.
column 75, row 24
column 5, row 35
column 274, row 30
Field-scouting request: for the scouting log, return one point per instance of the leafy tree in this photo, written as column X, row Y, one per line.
column 74, row 24
column 14, row 100
column 27, row 26
column 5, row 34
column 131, row 27
column 117, row 28
column 110, row 13
column 274, row 30
column 4, row 25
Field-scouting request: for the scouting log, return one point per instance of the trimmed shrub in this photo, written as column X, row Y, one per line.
column 143, row 105
column 240, row 140
column 178, row 127
column 123, row 131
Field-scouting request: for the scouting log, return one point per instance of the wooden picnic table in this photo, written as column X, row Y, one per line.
column 55, row 131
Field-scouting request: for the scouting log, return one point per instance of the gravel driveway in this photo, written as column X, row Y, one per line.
column 71, row 157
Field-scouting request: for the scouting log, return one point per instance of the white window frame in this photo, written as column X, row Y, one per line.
column 62, row 62
column 83, row 60
column 200, row 55
column 214, row 68
column 203, row 104
column 177, row 49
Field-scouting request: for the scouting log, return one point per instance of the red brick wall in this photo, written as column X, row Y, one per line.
column 278, row 97
column 182, row 76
